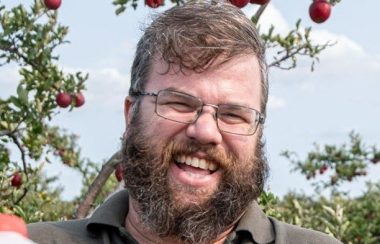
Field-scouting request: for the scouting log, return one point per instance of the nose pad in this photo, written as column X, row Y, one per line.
column 200, row 111
column 205, row 129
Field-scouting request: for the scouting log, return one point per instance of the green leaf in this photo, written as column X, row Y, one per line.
column 22, row 95
column 298, row 23
column 15, row 101
column 120, row 10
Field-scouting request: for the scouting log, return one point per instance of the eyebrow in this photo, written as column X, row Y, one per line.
column 242, row 104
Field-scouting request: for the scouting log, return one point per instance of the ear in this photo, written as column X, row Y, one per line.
column 128, row 107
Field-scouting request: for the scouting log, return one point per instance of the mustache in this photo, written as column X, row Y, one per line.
column 221, row 158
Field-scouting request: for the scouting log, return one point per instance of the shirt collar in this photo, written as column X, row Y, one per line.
column 113, row 211
column 255, row 222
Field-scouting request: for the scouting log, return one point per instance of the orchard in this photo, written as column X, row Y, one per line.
column 45, row 89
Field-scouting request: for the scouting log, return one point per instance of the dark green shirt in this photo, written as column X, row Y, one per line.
column 106, row 225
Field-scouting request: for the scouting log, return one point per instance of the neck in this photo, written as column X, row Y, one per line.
column 144, row 235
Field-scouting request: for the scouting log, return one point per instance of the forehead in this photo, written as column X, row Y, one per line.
column 236, row 81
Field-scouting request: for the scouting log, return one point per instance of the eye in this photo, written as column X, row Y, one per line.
column 179, row 106
column 232, row 118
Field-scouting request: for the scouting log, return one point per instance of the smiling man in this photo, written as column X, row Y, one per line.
column 192, row 152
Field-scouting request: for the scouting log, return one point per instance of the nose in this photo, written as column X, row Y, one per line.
column 205, row 129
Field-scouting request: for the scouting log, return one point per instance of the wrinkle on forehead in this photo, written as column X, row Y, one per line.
column 237, row 81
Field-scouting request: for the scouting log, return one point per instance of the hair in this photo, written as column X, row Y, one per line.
column 193, row 36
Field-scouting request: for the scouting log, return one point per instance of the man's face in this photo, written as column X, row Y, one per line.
column 187, row 176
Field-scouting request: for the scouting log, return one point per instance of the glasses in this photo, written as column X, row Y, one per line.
column 184, row 108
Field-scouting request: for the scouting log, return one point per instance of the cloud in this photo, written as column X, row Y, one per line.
column 332, row 60
column 343, row 47
column 106, row 87
column 346, row 61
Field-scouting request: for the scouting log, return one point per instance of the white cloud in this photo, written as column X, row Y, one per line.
column 106, row 87
column 344, row 47
column 346, row 61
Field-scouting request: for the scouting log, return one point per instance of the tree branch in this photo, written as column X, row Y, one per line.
column 5, row 132
column 259, row 12
column 285, row 57
column 21, row 197
column 23, row 157
column 96, row 186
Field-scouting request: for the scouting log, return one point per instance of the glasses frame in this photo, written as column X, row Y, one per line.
column 260, row 119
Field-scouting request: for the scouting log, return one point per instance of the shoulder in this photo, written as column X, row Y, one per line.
column 72, row 231
column 286, row 233
column 104, row 223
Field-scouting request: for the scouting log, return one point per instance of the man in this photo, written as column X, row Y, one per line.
column 192, row 153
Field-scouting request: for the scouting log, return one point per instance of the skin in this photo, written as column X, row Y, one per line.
column 236, row 81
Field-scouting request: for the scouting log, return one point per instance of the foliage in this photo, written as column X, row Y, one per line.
column 342, row 163
column 288, row 48
column 28, row 39
column 352, row 220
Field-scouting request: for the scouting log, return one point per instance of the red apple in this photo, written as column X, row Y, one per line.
column 79, row 99
column 63, row 99
column 119, row 172
column 323, row 169
column 16, row 180
column 13, row 223
column 320, row 11
column 52, row 4
column 260, row 2
column 154, row 3
column 61, row 152
column 239, row 3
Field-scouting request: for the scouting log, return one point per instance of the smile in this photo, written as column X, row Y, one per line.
column 196, row 162
column 197, row 172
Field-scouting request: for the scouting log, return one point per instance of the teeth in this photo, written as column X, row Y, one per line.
column 183, row 159
column 212, row 167
column 196, row 162
column 202, row 164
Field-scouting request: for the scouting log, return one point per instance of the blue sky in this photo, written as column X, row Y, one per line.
column 323, row 106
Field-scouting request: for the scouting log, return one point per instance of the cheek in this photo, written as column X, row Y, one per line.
column 242, row 147
column 164, row 129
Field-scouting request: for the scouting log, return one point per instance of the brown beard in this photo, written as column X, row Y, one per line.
column 146, row 166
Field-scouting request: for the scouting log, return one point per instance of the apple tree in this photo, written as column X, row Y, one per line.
column 29, row 37
column 341, row 163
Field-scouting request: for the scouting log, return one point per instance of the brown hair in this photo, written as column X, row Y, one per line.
column 195, row 34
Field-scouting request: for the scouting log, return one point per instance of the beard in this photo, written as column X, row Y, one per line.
column 161, row 209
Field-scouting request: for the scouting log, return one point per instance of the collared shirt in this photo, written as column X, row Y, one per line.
column 106, row 225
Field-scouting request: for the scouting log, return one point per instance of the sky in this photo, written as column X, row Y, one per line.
column 305, row 107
